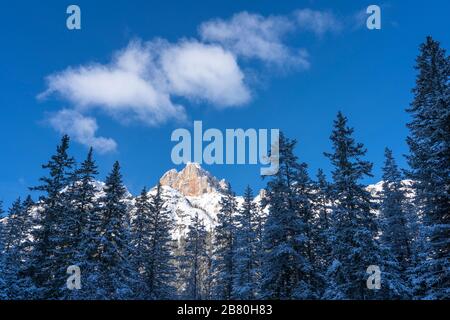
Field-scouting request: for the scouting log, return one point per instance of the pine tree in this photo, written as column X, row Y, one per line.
column 396, row 235
column 429, row 144
column 322, row 232
column 45, row 265
column 84, row 195
column 208, row 285
column 16, row 250
column 195, row 259
column 159, row 270
column 354, row 226
column 3, row 295
column 260, row 221
column 114, row 264
column 288, row 267
column 24, row 283
column 246, row 251
column 142, row 242
column 85, row 227
column 224, row 247
column 11, row 252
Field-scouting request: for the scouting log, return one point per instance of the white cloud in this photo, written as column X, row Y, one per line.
column 206, row 72
column 126, row 88
column 253, row 36
column 318, row 22
column 142, row 80
column 82, row 129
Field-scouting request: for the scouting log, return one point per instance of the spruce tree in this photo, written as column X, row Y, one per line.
column 45, row 265
column 114, row 265
column 224, row 247
column 12, row 261
column 208, row 285
column 16, row 253
column 2, row 255
column 429, row 143
column 322, row 232
column 159, row 270
column 396, row 235
column 85, row 228
column 260, row 221
column 84, row 195
column 24, row 284
column 246, row 252
column 194, row 260
column 141, row 241
column 288, row 267
column 355, row 247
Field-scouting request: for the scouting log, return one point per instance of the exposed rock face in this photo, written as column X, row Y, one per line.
column 193, row 181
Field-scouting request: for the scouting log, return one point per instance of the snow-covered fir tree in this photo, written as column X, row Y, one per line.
column 321, row 232
column 158, row 269
column 45, row 265
column 24, row 284
column 86, row 231
column 208, row 285
column 195, row 261
column 73, row 226
column 259, row 223
column 140, row 241
column 429, row 158
column 396, row 236
column 246, row 250
column 12, row 238
column 2, row 255
column 83, row 196
column 16, row 252
column 355, row 247
column 114, row 265
column 224, row 247
column 288, row 268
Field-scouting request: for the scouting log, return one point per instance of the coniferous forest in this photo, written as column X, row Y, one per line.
column 319, row 236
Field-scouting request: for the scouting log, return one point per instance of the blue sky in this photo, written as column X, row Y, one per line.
column 296, row 78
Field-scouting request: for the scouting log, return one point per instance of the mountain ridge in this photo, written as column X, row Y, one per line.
column 195, row 191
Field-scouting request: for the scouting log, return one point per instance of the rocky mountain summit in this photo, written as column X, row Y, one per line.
column 193, row 181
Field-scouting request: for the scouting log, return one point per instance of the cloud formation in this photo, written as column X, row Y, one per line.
column 255, row 36
column 252, row 36
column 318, row 22
column 206, row 72
column 82, row 129
column 143, row 80
column 126, row 88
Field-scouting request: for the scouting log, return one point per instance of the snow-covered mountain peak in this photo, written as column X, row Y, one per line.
column 193, row 181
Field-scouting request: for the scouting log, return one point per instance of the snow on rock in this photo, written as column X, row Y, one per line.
column 194, row 191
column 193, row 181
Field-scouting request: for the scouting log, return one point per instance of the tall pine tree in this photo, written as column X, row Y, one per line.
column 3, row 295
column 322, row 234
column 15, row 233
column 355, row 247
column 46, row 263
column 224, row 247
column 114, row 266
column 86, row 227
column 396, row 236
column 288, row 268
column 429, row 158
column 195, row 260
column 246, row 251
column 159, row 270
